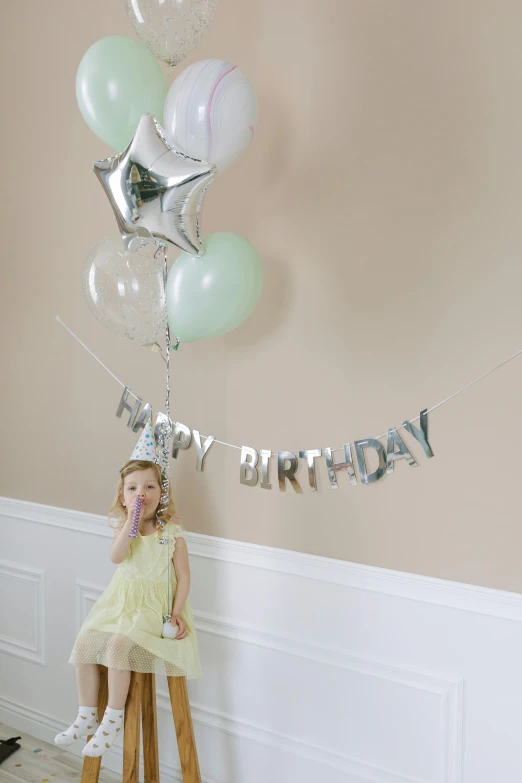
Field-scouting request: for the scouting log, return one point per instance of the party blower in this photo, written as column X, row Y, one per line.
column 136, row 518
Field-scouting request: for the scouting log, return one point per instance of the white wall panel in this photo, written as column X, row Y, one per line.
column 312, row 668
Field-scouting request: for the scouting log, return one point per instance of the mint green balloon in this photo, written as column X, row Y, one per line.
column 118, row 80
column 211, row 294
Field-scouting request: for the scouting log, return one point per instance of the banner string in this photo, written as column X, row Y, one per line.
column 92, row 354
column 233, row 446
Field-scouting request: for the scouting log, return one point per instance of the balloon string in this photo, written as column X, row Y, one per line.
column 166, row 440
column 339, row 448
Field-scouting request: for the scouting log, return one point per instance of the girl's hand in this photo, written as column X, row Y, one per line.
column 176, row 620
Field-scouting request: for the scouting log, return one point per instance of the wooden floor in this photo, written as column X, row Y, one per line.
column 38, row 762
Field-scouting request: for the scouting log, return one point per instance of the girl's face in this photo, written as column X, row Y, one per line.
column 145, row 484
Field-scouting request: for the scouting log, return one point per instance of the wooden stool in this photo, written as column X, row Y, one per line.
column 142, row 698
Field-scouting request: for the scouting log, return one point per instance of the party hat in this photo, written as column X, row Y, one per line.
column 146, row 447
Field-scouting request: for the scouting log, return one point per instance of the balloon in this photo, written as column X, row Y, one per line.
column 211, row 112
column 170, row 28
column 154, row 189
column 125, row 289
column 118, row 80
column 212, row 294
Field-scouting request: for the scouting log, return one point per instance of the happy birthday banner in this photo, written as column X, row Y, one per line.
column 250, row 469
column 255, row 464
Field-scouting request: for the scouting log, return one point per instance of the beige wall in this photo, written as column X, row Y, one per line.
column 383, row 191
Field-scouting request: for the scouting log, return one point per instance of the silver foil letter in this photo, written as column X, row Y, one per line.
column 372, row 443
column 247, row 471
column 265, row 468
column 394, row 439
column 141, row 420
column 201, row 449
column 123, row 404
column 287, row 472
column 181, row 439
column 310, row 455
column 422, row 434
column 334, row 467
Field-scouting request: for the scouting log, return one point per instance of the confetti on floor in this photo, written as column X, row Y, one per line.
column 18, row 765
column 37, row 750
column 45, row 780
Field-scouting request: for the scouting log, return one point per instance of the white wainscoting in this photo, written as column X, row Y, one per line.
column 22, row 596
column 312, row 668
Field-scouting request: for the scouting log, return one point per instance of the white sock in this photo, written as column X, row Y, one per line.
column 106, row 733
column 86, row 723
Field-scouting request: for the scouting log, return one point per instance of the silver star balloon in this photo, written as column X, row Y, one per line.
column 155, row 189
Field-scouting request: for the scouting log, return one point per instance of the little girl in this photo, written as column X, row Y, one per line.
column 123, row 630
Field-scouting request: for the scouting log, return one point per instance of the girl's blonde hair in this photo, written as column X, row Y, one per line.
column 118, row 512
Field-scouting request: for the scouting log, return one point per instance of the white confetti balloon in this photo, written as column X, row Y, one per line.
column 125, row 290
column 170, row 28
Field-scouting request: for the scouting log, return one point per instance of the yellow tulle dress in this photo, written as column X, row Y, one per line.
column 123, row 628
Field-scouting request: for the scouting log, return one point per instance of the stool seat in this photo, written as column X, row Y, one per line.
column 141, row 700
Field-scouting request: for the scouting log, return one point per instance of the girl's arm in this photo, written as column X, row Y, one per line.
column 121, row 544
column 181, row 564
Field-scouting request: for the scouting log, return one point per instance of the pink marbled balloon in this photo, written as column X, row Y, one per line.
column 211, row 112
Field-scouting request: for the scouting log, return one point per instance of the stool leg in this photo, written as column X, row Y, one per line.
column 149, row 724
column 91, row 766
column 188, row 754
column 131, row 732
